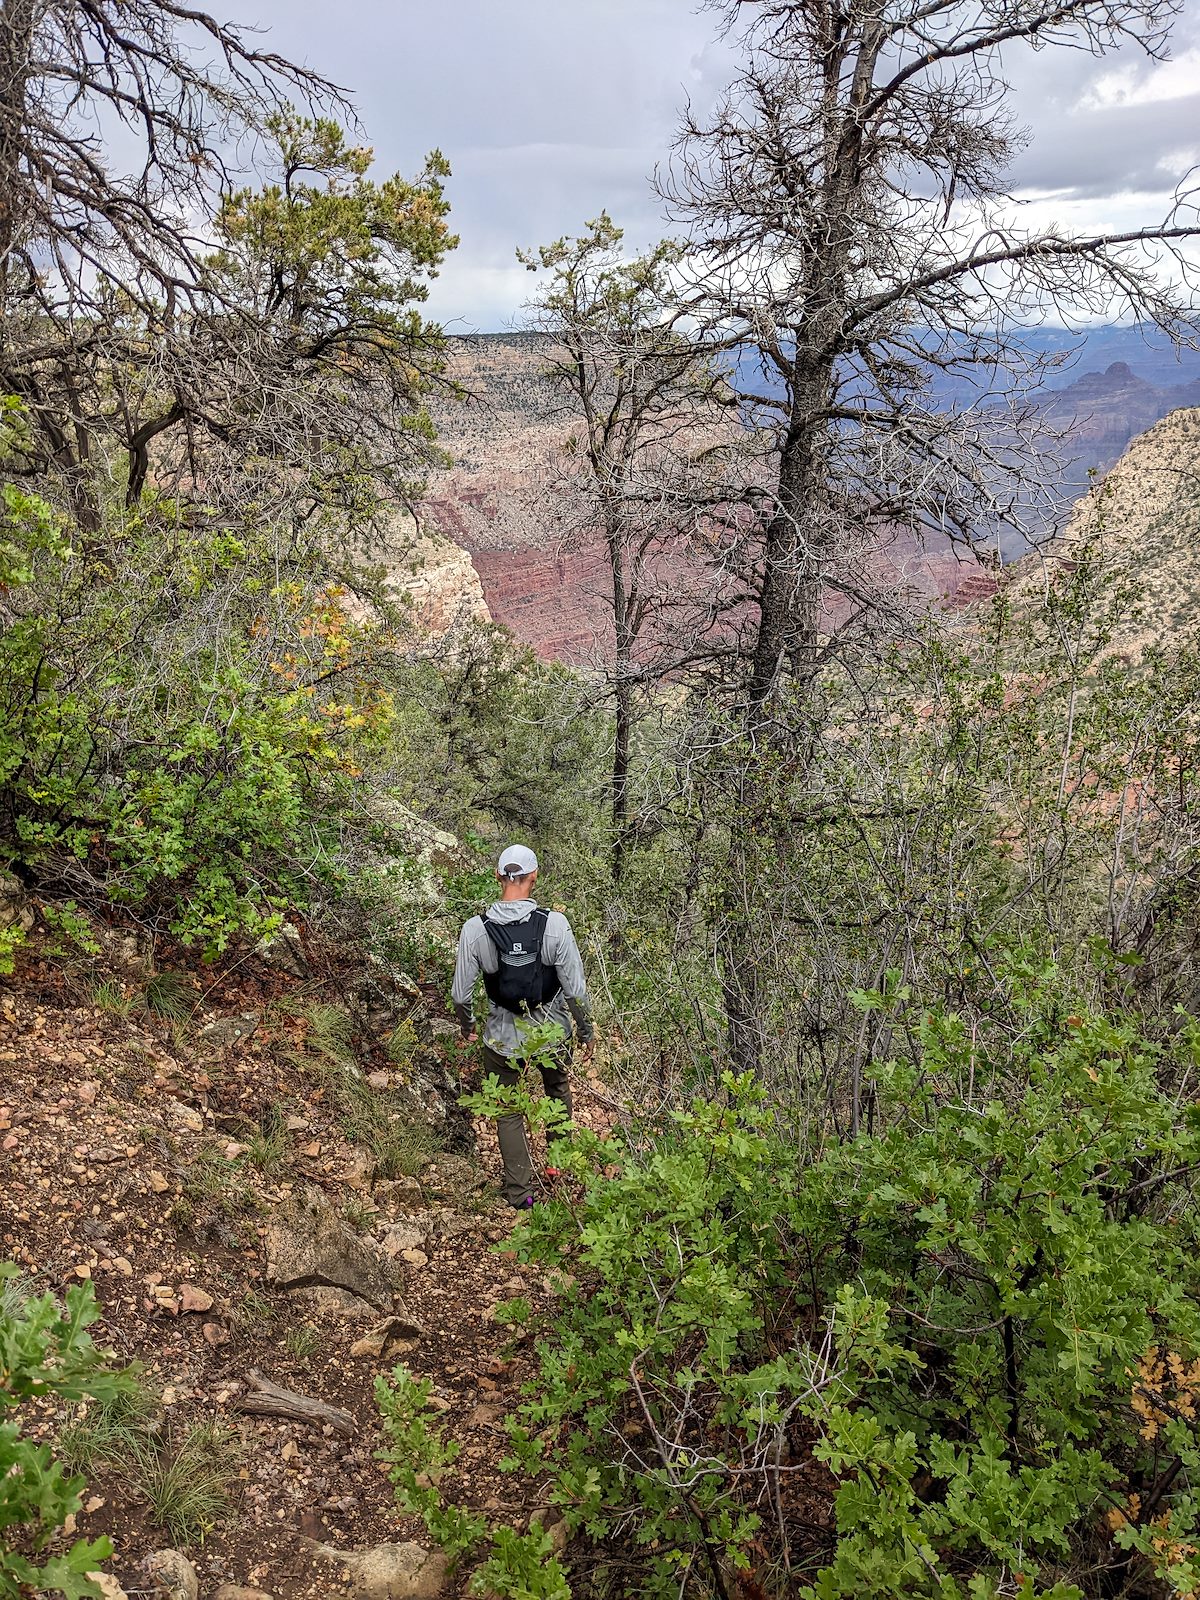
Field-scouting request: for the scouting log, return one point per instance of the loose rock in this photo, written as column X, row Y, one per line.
column 395, row 1195
column 552, row 1521
column 381, row 1340
column 108, row 1586
column 172, row 1574
column 184, row 1117
column 14, row 910
column 284, row 950
column 401, row 1236
column 228, row 1031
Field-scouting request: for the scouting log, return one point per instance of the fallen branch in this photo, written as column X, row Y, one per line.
column 267, row 1399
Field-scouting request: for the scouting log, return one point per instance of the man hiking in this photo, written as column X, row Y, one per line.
column 533, row 974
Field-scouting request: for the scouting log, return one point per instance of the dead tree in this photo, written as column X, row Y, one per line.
column 850, row 222
column 647, row 462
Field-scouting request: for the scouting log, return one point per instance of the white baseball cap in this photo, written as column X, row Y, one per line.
column 518, row 861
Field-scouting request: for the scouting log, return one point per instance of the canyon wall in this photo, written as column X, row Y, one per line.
column 500, row 502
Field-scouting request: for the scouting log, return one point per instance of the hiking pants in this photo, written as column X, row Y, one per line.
column 520, row 1180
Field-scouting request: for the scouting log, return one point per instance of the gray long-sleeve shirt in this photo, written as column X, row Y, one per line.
column 477, row 954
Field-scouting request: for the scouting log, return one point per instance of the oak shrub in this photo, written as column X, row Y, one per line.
column 45, row 1349
column 975, row 1333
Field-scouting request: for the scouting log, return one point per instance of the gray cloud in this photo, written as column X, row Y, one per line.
column 550, row 112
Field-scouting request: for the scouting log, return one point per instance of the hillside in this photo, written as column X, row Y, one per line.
column 243, row 1223
column 1141, row 522
column 494, row 502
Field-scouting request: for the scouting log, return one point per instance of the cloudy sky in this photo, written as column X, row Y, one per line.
column 550, row 110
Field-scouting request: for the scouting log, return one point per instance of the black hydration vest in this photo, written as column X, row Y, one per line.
column 521, row 982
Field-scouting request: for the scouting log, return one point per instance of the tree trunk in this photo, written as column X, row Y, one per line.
column 16, row 44
column 795, row 554
column 622, row 698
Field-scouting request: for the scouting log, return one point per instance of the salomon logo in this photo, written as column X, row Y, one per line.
column 518, row 949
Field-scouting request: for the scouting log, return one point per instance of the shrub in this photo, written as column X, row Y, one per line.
column 180, row 715
column 976, row 1334
column 45, row 1349
column 518, row 1566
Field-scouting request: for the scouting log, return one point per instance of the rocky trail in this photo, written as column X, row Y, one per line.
column 262, row 1212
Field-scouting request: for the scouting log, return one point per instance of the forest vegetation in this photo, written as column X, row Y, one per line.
column 887, row 1280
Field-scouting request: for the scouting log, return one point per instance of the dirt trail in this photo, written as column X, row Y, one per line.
column 132, row 1155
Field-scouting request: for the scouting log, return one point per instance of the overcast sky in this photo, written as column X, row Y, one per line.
column 551, row 110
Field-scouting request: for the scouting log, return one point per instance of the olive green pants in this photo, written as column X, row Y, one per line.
column 520, row 1180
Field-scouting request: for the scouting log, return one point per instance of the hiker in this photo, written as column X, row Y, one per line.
column 532, row 971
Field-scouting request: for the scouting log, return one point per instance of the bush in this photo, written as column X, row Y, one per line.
column 45, row 1349
column 977, row 1333
column 519, row 1566
column 181, row 715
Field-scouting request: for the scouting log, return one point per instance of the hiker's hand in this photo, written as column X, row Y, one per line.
column 469, row 1038
column 587, row 1051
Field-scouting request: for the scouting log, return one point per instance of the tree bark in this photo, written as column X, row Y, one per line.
column 622, row 699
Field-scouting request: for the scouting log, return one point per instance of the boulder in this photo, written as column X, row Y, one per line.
column 309, row 1245
column 323, row 1304
column 391, row 1571
column 14, row 907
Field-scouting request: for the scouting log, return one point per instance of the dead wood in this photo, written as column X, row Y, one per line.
column 267, row 1399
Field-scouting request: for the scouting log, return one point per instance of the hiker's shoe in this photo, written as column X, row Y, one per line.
column 523, row 1205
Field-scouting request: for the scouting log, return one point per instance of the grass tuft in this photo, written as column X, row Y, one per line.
column 110, row 996
column 359, row 1214
column 267, row 1146
column 171, row 995
column 187, row 1488
column 211, row 1180
column 301, row 1341
column 331, row 1033
column 108, row 1433
column 251, row 1311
